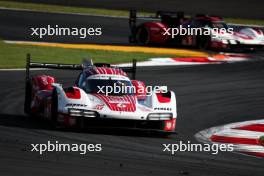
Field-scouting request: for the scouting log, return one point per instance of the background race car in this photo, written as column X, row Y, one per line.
column 161, row 30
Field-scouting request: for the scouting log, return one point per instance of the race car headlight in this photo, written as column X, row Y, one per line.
column 89, row 114
column 160, row 116
column 232, row 42
column 216, row 38
column 74, row 112
column 225, row 41
column 82, row 112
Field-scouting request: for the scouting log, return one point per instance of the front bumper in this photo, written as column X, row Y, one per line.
column 161, row 125
column 98, row 121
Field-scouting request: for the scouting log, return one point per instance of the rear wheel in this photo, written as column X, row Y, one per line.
column 203, row 42
column 142, row 35
column 28, row 98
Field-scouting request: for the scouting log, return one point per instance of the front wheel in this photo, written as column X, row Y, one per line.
column 54, row 108
column 203, row 42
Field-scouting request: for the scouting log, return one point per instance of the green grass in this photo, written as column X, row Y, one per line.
column 14, row 55
column 244, row 21
column 68, row 9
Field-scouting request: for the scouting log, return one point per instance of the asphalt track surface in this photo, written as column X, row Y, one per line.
column 15, row 25
column 226, row 8
column 208, row 95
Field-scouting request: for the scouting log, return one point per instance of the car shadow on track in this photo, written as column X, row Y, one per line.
column 24, row 121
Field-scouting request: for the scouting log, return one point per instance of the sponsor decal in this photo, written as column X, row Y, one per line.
column 162, row 109
column 75, row 105
column 121, row 105
column 99, row 106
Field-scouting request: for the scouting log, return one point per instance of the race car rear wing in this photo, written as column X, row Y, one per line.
column 159, row 15
column 30, row 64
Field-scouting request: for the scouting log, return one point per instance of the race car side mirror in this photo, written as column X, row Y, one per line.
column 139, row 89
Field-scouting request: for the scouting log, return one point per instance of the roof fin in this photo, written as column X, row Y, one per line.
column 87, row 63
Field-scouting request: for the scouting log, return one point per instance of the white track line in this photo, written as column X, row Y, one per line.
column 240, row 133
column 249, row 148
column 161, row 62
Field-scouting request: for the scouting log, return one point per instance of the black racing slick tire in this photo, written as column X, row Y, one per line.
column 203, row 42
column 54, row 108
column 142, row 36
column 28, row 98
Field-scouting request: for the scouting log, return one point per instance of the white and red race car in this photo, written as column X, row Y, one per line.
column 86, row 103
column 158, row 30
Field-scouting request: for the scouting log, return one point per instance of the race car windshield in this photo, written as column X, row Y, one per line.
column 108, row 87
